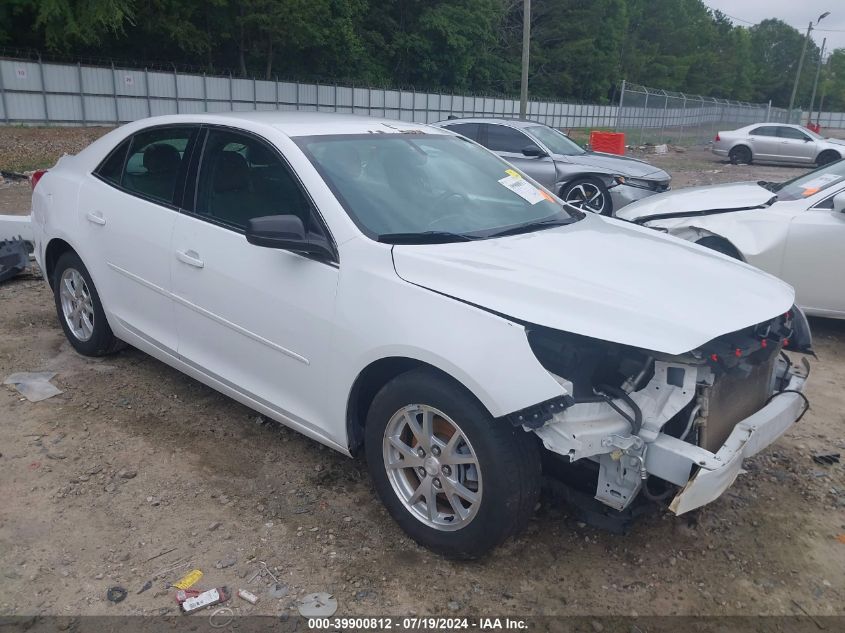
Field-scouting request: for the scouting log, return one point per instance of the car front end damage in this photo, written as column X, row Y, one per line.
column 670, row 426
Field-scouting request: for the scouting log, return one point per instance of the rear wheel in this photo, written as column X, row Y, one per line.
column 827, row 156
column 79, row 308
column 740, row 155
column 456, row 480
column 588, row 194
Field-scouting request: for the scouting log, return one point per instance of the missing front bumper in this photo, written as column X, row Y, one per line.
column 718, row 471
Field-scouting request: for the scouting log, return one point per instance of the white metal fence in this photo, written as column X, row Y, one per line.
column 33, row 92
column 37, row 93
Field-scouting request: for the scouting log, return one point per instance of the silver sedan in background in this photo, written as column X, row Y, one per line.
column 592, row 181
column 777, row 143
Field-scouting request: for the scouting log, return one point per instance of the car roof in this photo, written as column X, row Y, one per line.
column 293, row 123
column 517, row 123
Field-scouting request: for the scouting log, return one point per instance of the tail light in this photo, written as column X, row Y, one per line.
column 717, row 139
column 36, row 176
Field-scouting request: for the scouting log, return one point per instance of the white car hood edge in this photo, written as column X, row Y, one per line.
column 603, row 279
column 738, row 196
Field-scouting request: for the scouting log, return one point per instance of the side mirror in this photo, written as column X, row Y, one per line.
column 839, row 202
column 532, row 151
column 287, row 233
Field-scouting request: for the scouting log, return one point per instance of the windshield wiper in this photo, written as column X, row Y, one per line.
column 534, row 226
column 770, row 186
column 424, row 237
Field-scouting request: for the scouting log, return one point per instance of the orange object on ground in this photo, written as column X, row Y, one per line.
column 610, row 142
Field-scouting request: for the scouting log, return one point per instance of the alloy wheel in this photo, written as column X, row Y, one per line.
column 432, row 467
column 77, row 304
column 586, row 196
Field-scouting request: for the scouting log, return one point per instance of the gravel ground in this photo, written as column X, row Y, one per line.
column 138, row 473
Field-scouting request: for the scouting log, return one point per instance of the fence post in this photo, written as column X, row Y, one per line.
column 3, row 99
column 620, row 106
column 297, row 96
column 204, row 94
column 369, row 101
column 254, row 94
column 645, row 113
column 335, row 97
column 683, row 115
column 277, row 92
column 147, row 89
column 114, row 92
column 769, row 111
column 663, row 119
column 231, row 94
column 81, row 92
column 176, row 86
column 43, row 89
column 413, row 104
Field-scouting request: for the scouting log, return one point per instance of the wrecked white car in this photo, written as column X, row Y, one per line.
column 794, row 230
column 391, row 288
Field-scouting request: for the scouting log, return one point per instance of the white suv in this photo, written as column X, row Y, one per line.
column 396, row 288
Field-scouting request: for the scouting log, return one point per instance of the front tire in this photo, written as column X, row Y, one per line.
column 80, row 310
column 455, row 479
column 588, row 194
column 826, row 157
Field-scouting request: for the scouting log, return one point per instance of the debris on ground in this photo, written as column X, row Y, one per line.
column 147, row 585
column 188, row 580
column 221, row 617
column 14, row 258
column 116, row 594
column 34, row 386
column 318, row 605
column 191, row 600
column 248, row 596
column 278, row 590
column 826, row 459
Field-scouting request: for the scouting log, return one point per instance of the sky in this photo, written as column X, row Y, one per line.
column 797, row 14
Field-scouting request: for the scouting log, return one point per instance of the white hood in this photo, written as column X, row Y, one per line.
column 602, row 278
column 740, row 195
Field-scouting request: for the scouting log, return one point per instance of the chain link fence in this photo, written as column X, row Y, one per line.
column 649, row 115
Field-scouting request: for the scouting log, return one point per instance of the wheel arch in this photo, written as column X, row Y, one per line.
column 605, row 178
column 719, row 244
column 829, row 150
column 56, row 247
column 370, row 381
column 741, row 144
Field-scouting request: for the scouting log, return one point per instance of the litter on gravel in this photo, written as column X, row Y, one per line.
column 318, row 605
column 34, row 386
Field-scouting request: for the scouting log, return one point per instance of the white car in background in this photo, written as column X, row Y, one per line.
column 396, row 289
column 777, row 143
column 794, row 230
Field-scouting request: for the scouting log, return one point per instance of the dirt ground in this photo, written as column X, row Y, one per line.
column 138, row 473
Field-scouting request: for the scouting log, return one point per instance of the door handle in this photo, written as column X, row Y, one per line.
column 191, row 258
column 95, row 217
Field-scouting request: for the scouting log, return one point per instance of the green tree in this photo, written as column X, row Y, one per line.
column 775, row 50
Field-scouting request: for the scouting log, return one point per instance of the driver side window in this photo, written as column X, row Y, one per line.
column 241, row 178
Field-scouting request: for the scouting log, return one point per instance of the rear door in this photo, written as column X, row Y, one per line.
column 795, row 146
column 765, row 144
column 127, row 212
column 258, row 320
column 509, row 142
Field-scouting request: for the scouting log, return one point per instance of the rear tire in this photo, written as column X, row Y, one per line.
column 80, row 310
column 827, row 156
column 740, row 155
column 483, row 484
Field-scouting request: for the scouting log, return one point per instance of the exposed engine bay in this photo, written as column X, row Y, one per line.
column 655, row 423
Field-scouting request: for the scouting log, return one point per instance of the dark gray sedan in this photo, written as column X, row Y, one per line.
column 592, row 181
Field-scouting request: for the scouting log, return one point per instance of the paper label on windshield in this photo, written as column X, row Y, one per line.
column 523, row 189
column 817, row 184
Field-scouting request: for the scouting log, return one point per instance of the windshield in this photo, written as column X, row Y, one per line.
column 814, row 135
column 429, row 184
column 812, row 183
column 556, row 141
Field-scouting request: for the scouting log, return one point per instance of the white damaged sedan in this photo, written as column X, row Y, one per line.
column 395, row 289
column 794, row 230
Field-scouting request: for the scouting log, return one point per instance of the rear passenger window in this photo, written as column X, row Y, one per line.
column 766, row 130
column 470, row 130
column 242, row 178
column 111, row 168
column 155, row 161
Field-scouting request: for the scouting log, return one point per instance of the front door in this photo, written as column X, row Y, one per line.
column 258, row 320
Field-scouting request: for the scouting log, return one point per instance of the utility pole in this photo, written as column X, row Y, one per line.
column 801, row 62
column 526, row 46
column 816, row 82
